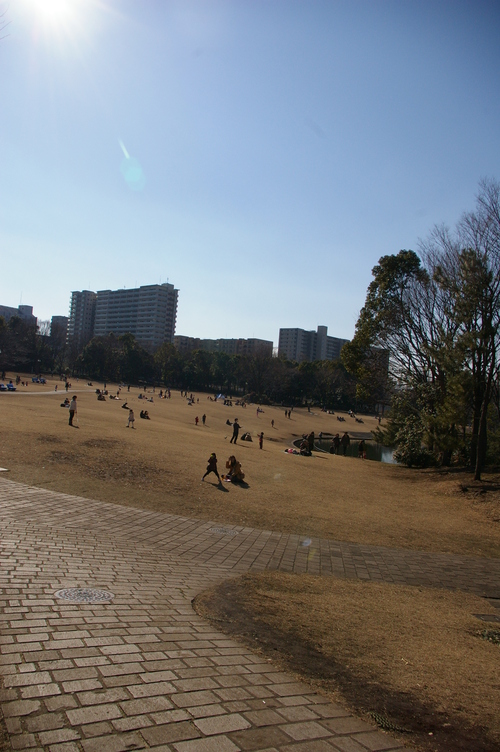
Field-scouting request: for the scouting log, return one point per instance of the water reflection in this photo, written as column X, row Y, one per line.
column 374, row 451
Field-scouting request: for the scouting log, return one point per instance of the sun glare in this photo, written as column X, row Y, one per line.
column 54, row 11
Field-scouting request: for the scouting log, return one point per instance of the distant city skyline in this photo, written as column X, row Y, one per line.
column 261, row 154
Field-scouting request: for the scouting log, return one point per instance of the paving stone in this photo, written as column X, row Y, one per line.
column 212, row 744
column 346, row 725
column 115, row 743
column 58, row 735
column 20, row 707
column 93, row 714
column 377, row 741
column 171, row 732
column 305, row 730
column 222, row 724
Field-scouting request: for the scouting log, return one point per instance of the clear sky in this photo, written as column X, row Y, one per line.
column 261, row 155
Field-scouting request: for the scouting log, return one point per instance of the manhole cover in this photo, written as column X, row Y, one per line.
column 223, row 531
column 84, row 595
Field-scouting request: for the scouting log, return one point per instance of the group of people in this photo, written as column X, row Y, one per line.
column 340, row 443
column 234, row 472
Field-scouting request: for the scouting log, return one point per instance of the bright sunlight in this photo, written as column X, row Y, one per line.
column 54, row 11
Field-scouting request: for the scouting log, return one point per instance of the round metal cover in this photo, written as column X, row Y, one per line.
column 223, row 531
column 84, row 595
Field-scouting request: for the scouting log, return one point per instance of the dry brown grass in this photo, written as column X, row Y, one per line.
column 159, row 465
column 414, row 656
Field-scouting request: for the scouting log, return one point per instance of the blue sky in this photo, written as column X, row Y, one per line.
column 275, row 149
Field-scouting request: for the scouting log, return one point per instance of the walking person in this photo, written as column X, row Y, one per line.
column 236, row 430
column 212, row 467
column 203, row 418
column 72, row 410
column 261, row 439
column 196, row 420
column 131, row 419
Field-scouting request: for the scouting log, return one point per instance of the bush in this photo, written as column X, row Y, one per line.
column 411, row 451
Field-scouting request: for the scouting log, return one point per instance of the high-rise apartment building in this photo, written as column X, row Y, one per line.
column 81, row 318
column 148, row 312
column 229, row 346
column 299, row 345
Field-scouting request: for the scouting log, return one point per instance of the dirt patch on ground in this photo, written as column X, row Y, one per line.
column 412, row 659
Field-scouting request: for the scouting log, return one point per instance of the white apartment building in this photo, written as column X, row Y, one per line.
column 148, row 312
column 250, row 346
column 300, row 344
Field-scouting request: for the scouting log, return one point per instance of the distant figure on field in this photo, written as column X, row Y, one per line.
column 236, row 430
column 203, row 418
column 361, row 450
column 272, row 423
column 196, row 420
column 345, row 442
column 334, row 449
column 72, row 410
column 261, row 439
column 212, row 467
column 131, row 419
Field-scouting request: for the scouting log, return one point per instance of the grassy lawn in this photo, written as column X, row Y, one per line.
column 413, row 655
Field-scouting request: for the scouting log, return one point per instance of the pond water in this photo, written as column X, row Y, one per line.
column 374, row 451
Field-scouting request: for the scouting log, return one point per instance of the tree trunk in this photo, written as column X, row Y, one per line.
column 482, row 434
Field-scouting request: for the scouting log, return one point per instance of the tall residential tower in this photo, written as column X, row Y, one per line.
column 148, row 312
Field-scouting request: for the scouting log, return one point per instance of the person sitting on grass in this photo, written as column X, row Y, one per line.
column 144, row 415
column 235, row 474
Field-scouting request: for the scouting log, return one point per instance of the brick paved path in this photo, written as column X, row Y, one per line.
column 143, row 671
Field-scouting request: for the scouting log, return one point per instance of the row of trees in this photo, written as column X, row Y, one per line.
column 437, row 314
column 122, row 359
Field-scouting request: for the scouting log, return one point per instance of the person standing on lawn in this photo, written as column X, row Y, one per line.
column 72, row 410
column 236, row 430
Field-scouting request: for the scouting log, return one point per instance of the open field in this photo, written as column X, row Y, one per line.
column 414, row 655
column 159, row 466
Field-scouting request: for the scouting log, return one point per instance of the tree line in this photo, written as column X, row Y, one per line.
column 437, row 314
column 122, row 359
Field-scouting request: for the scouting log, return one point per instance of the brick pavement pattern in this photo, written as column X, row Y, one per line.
column 142, row 670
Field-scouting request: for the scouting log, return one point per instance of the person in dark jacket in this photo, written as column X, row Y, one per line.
column 212, row 467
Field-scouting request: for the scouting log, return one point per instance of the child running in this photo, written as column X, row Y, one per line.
column 212, row 467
